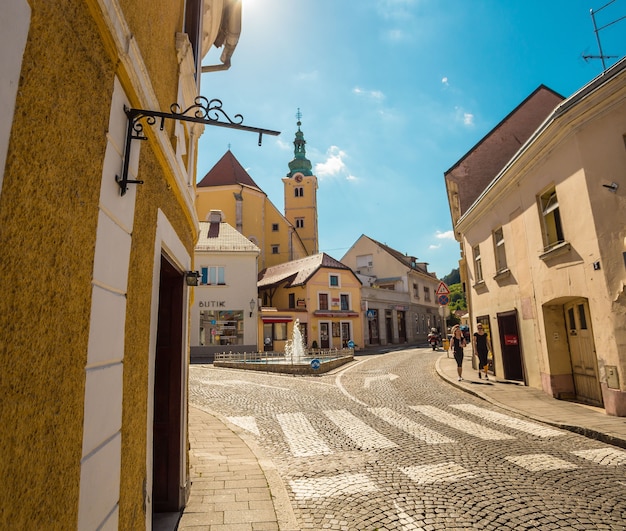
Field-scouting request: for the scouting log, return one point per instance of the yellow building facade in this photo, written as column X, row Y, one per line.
column 229, row 188
column 97, row 205
column 321, row 293
column 545, row 250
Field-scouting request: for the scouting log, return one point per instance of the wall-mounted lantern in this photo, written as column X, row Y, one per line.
column 192, row 278
column 252, row 305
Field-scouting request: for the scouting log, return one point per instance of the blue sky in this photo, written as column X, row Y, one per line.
column 392, row 94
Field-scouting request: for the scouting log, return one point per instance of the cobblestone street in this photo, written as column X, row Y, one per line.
column 383, row 443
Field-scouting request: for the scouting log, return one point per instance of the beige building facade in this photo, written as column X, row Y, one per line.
column 399, row 299
column 544, row 250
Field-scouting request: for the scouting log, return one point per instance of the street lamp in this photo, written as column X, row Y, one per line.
column 252, row 305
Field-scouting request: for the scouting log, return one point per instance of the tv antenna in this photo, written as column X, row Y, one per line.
column 597, row 30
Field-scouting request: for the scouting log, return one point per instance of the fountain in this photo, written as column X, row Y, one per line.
column 294, row 348
column 296, row 359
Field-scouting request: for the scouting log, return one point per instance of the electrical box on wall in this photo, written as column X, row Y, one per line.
column 612, row 378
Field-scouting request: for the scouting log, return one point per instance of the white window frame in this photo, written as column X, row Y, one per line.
column 213, row 272
column 499, row 250
column 552, row 226
column 478, row 266
column 331, row 276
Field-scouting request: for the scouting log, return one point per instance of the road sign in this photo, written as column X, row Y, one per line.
column 315, row 364
column 442, row 289
column 443, row 300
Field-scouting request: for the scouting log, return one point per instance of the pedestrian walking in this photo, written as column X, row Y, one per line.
column 482, row 347
column 458, row 343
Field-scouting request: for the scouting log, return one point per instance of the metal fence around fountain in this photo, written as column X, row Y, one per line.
column 316, row 361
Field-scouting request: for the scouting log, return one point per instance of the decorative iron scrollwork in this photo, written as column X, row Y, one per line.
column 203, row 111
column 211, row 110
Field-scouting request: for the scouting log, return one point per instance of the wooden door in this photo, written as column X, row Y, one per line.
column 583, row 353
column 324, row 335
column 510, row 345
column 167, row 428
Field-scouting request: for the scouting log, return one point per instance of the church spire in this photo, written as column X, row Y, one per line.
column 299, row 164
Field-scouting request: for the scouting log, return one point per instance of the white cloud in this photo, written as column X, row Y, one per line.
column 448, row 235
column 466, row 118
column 433, row 247
column 333, row 165
column 373, row 94
column 444, row 81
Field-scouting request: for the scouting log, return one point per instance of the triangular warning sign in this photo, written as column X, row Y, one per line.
column 442, row 289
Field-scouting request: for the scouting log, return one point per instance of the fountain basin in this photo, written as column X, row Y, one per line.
column 277, row 362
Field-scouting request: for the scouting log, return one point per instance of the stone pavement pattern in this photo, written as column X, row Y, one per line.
column 386, row 444
column 230, row 490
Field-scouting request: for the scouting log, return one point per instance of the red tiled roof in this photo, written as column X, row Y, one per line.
column 226, row 171
column 297, row 272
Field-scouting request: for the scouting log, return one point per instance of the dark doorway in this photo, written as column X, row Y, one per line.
column 510, row 345
column 324, row 335
column 401, row 327
column 167, row 429
column 372, row 325
column 389, row 326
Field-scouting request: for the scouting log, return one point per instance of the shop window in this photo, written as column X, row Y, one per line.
column 221, row 327
column 280, row 331
column 212, row 276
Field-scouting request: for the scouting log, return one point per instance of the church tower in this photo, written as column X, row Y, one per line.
column 301, row 194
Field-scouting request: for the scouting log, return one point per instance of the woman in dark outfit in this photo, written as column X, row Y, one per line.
column 458, row 342
column 482, row 346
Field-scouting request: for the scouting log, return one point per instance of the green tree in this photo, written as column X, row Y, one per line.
column 457, row 298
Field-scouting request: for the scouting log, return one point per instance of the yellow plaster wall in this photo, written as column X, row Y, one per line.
column 48, row 220
column 349, row 284
column 48, row 216
column 151, row 196
column 258, row 216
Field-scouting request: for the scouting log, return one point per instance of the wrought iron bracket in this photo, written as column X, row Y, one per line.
column 203, row 111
